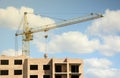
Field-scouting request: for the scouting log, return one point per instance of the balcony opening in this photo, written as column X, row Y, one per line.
column 58, row 68
column 75, row 76
column 75, row 68
column 58, row 76
column 46, row 76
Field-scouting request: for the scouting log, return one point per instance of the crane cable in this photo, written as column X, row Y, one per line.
column 57, row 18
column 16, row 46
column 16, row 38
column 46, row 44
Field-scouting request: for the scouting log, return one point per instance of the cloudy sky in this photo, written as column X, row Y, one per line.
column 97, row 42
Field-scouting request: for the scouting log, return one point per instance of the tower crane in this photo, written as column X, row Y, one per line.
column 27, row 33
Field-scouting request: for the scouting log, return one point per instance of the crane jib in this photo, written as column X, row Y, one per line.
column 66, row 23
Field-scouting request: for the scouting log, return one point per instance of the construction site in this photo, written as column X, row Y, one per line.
column 23, row 66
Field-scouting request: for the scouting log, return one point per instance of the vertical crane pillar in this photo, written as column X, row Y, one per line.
column 26, row 37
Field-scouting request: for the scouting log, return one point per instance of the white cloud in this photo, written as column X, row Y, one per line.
column 108, row 30
column 100, row 68
column 98, row 63
column 110, row 46
column 11, row 17
column 73, row 41
column 11, row 52
column 102, row 73
column 108, row 25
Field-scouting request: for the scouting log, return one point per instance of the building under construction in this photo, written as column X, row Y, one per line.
column 25, row 67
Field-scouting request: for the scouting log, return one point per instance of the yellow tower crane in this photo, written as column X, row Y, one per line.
column 27, row 33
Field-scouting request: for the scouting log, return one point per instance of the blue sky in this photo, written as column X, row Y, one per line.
column 95, row 41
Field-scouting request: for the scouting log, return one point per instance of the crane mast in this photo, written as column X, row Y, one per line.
column 27, row 33
column 26, row 37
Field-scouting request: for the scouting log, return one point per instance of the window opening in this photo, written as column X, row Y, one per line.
column 4, row 62
column 17, row 72
column 4, row 72
column 46, row 67
column 33, row 76
column 33, row 67
column 17, row 62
